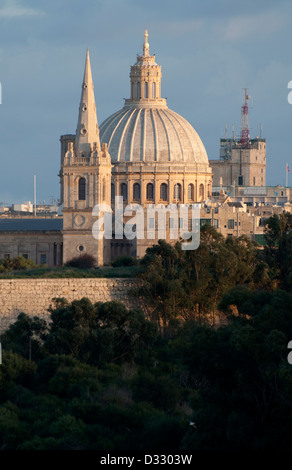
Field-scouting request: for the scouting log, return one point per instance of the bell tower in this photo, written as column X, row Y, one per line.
column 85, row 178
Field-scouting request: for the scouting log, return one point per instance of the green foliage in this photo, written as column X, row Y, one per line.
column 70, row 272
column 278, row 249
column 15, row 369
column 25, row 335
column 124, row 260
column 190, row 284
column 99, row 333
column 12, row 429
column 101, row 377
column 160, row 390
column 242, row 392
column 16, row 264
column 82, row 261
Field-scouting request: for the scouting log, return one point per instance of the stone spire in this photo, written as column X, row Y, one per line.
column 87, row 132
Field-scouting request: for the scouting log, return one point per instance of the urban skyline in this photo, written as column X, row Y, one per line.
column 208, row 52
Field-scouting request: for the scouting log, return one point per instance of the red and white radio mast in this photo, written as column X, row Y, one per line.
column 244, row 137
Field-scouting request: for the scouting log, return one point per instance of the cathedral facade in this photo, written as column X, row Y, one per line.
column 143, row 156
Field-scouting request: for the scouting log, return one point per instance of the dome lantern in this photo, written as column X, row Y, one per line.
column 145, row 76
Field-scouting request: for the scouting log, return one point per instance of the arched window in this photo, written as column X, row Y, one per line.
column 82, row 189
column 132, row 90
column 149, row 191
column 124, row 191
column 190, row 192
column 112, row 191
column 153, row 90
column 201, row 192
column 103, row 189
column 146, row 90
column 136, row 192
column 177, row 192
column 163, row 192
column 138, row 90
column 209, row 190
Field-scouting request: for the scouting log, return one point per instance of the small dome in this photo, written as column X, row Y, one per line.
column 151, row 134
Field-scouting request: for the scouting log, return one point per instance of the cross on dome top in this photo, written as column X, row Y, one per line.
column 146, row 44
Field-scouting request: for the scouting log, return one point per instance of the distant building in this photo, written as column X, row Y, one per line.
column 149, row 156
column 25, row 207
column 232, row 219
column 240, row 164
column 242, row 160
column 39, row 239
column 256, row 195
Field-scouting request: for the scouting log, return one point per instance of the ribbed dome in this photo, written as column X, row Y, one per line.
column 151, row 134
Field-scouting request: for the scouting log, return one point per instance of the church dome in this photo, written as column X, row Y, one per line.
column 151, row 134
column 145, row 129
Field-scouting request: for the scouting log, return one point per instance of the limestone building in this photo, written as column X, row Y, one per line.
column 240, row 165
column 242, row 161
column 85, row 178
column 39, row 239
column 144, row 153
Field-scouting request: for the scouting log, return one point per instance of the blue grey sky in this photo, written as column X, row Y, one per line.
column 209, row 51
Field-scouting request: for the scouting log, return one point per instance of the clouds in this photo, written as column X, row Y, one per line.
column 208, row 51
column 251, row 27
column 12, row 9
column 179, row 28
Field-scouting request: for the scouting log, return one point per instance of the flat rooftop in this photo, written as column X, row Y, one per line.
column 30, row 224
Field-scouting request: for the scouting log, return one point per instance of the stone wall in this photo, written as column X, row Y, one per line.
column 35, row 296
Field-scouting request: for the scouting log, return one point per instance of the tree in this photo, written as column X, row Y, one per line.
column 99, row 333
column 25, row 336
column 179, row 284
column 278, row 249
column 162, row 282
column 16, row 369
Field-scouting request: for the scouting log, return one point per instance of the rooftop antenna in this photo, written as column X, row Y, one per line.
column 244, row 136
column 225, row 131
column 261, row 128
column 233, row 131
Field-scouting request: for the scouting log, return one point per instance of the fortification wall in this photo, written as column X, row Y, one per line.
column 35, row 296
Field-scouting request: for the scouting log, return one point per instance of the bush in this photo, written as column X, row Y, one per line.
column 16, row 264
column 124, row 260
column 82, row 261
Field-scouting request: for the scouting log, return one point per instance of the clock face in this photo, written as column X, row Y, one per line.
column 79, row 220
